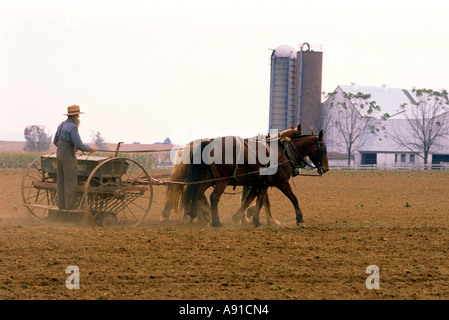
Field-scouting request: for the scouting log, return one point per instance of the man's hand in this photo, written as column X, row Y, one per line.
column 92, row 149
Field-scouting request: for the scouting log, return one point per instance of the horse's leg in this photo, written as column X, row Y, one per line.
column 250, row 210
column 215, row 199
column 239, row 216
column 267, row 206
column 287, row 190
column 259, row 204
column 245, row 193
column 203, row 210
column 190, row 211
column 165, row 216
column 170, row 202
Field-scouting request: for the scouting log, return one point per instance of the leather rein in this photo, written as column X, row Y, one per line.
column 290, row 149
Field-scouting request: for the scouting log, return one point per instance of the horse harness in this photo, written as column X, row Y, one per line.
column 289, row 149
column 235, row 176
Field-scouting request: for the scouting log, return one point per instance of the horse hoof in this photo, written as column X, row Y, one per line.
column 301, row 225
column 187, row 219
column 245, row 222
column 217, row 225
column 236, row 219
column 274, row 223
column 256, row 224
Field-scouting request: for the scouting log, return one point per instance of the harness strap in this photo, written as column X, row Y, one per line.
column 241, row 148
column 291, row 157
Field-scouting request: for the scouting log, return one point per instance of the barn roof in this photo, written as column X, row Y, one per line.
column 388, row 99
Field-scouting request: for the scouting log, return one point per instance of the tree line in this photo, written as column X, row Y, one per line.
column 37, row 140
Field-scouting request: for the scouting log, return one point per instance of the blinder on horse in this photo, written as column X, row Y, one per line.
column 299, row 161
column 321, row 150
column 289, row 149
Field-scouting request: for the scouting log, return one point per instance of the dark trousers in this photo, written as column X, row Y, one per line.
column 67, row 175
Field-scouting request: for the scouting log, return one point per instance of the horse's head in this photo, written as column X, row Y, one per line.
column 318, row 154
column 292, row 132
column 312, row 147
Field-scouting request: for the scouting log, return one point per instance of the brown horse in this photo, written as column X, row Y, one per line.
column 288, row 149
column 175, row 192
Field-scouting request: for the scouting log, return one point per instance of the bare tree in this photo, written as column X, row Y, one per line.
column 97, row 139
column 325, row 119
column 427, row 119
column 36, row 138
column 351, row 118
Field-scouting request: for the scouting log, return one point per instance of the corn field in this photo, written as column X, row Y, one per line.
column 155, row 160
column 17, row 160
column 21, row 160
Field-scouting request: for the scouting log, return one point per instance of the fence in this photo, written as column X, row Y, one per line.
column 21, row 160
column 402, row 166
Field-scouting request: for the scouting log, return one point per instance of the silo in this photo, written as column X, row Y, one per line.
column 282, row 88
column 309, row 77
column 295, row 88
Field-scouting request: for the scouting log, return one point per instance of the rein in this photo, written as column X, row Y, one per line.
column 289, row 147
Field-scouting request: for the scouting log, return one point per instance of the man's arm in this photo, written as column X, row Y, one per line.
column 76, row 140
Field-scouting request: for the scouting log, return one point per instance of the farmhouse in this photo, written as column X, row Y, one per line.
column 376, row 145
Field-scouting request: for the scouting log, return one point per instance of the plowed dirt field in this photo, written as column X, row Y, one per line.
column 395, row 220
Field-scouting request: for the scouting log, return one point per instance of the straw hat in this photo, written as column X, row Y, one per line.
column 73, row 110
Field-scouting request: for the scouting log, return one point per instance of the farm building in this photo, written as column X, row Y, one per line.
column 376, row 146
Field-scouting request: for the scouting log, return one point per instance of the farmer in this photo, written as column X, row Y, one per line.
column 67, row 140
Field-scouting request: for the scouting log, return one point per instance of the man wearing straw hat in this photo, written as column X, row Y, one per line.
column 67, row 140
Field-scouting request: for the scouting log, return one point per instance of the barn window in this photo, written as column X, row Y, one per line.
column 412, row 158
column 369, row 158
column 403, row 157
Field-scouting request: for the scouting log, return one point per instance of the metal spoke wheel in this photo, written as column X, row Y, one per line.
column 38, row 191
column 118, row 192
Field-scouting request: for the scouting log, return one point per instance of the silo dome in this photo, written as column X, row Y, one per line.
column 285, row 51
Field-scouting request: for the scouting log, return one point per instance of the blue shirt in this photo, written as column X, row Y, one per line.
column 68, row 131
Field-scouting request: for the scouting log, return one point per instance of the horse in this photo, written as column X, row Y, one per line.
column 175, row 191
column 291, row 148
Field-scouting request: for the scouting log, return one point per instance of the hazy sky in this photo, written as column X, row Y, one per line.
column 147, row 70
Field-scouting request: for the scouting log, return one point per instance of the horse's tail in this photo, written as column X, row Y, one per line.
column 196, row 174
column 175, row 191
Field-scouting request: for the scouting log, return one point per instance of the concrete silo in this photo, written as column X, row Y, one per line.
column 282, row 87
column 295, row 88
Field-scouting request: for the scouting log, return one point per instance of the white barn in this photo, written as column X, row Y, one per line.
column 378, row 149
